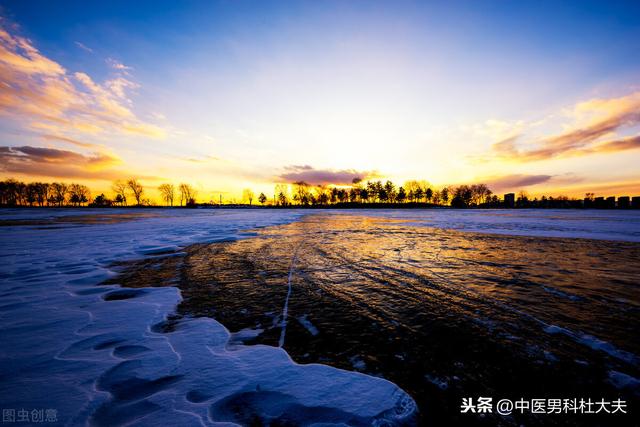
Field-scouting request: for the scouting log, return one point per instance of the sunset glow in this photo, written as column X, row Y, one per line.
column 228, row 95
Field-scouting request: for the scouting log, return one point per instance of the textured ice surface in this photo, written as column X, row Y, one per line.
column 589, row 224
column 97, row 355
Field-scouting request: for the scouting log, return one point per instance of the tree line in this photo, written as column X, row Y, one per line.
column 375, row 192
column 59, row 194
column 131, row 192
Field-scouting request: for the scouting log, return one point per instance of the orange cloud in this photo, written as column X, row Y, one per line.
column 41, row 161
column 68, row 140
column 37, row 89
column 596, row 124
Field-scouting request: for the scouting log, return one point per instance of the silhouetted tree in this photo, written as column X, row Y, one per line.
column 444, row 195
column 42, row 193
column 428, row 194
column 390, row 189
column 136, row 189
column 523, row 199
column 119, row 187
column 31, row 193
column 462, row 197
column 79, row 194
column 437, row 197
column 167, row 191
column 247, row 195
column 281, row 194
column 101, row 201
column 402, row 195
column 364, row 195
column 187, row 193
column 58, row 193
column 262, row 199
column 301, row 193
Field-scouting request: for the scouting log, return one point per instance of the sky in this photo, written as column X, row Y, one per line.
column 224, row 95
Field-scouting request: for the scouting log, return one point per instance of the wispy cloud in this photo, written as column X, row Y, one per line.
column 594, row 131
column 117, row 65
column 38, row 91
column 50, row 137
column 314, row 176
column 84, row 47
column 205, row 159
column 515, row 181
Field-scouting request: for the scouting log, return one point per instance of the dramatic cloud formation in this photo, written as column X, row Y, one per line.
column 38, row 89
column 597, row 121
column 313, row 176
column 40, row 161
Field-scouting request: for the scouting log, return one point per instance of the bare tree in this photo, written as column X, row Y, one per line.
column 137, row 190
column 281, row 194
column 168, row 192
column 412, row 188
column 58, row 193
column 31, row 193
column 301, row 192
column 79, row 194
column 42, row 193
column 247, row 195
column 187, row 194
column 120, row 188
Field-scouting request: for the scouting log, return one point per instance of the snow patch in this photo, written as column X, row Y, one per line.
column 108, row 356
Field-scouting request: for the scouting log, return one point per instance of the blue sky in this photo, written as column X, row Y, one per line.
column 248, row 90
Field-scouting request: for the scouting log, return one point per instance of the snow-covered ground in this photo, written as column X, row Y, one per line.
column 95, row 355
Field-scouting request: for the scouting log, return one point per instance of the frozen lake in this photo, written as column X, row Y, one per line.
column 104, row 354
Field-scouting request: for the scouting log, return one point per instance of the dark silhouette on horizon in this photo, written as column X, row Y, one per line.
column 370, row 194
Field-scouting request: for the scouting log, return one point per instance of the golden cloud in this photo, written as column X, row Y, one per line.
column 38, row 92
column 594, row 131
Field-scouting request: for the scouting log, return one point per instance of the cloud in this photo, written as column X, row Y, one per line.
column 117, row 65
column 50, row 137
column 516, row 181
column 52, row 162
column 313, row 176
column 594, row 131
column 84, row 47
column 205, row 159
column 36, row 91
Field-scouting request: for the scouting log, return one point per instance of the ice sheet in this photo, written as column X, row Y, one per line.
column 97, row 353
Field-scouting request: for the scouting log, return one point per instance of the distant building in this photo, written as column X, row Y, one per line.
column 599, row 203
column 611, row 203
column 635, row 202
column 510, row 200
column 623, row 202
